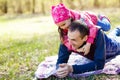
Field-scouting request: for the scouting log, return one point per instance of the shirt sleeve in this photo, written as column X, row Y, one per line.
column 63, row 54
column 92, row 16
column 99, row 57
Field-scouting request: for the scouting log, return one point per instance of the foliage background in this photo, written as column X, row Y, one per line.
column 43, row 6
column 28, row 34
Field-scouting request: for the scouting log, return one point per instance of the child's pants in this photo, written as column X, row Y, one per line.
column 104, row 24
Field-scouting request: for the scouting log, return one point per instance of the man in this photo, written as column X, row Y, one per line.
column 103, row 48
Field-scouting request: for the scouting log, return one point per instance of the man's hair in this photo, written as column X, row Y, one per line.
column 82, row 28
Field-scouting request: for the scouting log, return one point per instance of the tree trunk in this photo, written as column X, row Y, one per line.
column 43, row 7
column 81, row 4
column 5, row 6
column 33, row 8
column 61, row 1
column 19, row 10
column 96, row 3
column 119, row 3
column 71, row 2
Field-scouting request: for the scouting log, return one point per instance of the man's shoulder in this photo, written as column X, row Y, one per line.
column 100, row 32
column 100, row 36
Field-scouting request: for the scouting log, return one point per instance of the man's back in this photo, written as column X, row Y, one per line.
column 112, row 41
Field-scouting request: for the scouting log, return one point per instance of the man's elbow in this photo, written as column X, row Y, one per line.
column 100, row 66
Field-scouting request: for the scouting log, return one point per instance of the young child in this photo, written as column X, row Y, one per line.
column 63, row 17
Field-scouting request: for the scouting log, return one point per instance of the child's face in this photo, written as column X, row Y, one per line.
column 64, row 24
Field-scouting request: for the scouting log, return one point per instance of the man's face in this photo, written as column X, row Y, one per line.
column 75, row 39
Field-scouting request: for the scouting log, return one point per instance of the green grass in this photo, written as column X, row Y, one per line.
column 19, row 58
column 21, row 50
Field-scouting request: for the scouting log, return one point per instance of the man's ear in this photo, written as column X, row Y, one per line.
column 85, row 38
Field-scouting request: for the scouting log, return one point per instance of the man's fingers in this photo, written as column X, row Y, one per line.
column 62, row 74
column 81, row 50
column 62, row 70
column 62, row 65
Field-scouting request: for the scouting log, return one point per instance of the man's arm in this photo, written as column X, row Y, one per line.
column 99, row 57
column 63, row 54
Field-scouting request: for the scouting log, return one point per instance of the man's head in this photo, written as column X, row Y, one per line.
column 77, row 34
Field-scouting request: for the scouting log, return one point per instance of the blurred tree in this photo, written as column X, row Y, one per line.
column 119, row 3
column 81, row 4
column 5, row 6
column 33, row 8
column 71, row 4
column 61, row 1
column 43, row 7
column 28, row 6
column 96, row 3
column 19, row 10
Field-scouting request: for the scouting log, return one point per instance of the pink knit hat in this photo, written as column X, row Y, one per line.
column 60, row 13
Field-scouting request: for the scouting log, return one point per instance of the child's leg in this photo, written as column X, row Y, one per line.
column 104, row 24
column 115, row 33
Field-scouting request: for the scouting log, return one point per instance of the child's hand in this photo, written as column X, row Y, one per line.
column 85, row 49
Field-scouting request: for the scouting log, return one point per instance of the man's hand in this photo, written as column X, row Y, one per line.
column 85, row 48
column 63, row 70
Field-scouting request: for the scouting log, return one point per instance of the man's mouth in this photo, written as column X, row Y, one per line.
column 82, row 45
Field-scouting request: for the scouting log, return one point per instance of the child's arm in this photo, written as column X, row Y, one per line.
column 85, row 48
column 92, row 34
column 92, row 28
column 100, row 20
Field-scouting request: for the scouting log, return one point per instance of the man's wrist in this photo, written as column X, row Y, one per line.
column 70, row 68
